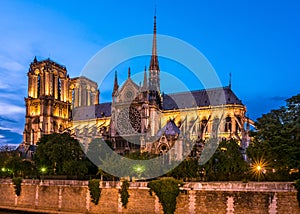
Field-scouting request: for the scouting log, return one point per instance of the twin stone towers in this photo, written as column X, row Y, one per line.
column 139, row 118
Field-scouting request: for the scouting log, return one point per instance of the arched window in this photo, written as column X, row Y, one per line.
column 73, row 98
column 228, row 126
column 204, row 125
column 59, row 89
column 39, row 85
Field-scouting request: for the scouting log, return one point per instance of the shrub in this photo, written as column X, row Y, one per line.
column 17, row 185
column 167, row 190
column 297, row 186
column 95, row 190
column 124, row 193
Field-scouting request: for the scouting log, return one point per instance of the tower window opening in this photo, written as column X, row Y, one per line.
column 39, row 86
column 228, row 124
column 59, row 89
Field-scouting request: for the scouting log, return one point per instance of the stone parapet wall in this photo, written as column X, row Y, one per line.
column 196, row 197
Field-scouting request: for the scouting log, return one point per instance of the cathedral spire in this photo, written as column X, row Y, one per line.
column 154, row 58
column 145, row 78
column 154, row 80
column 34, row 60
column 129, row 73
column 116, row 85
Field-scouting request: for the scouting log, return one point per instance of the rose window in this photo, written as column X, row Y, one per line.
column 129, row 121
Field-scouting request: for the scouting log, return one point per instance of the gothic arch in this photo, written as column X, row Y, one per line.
column 228, row 124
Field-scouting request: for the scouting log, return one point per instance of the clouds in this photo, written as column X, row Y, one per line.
column 9, row 136
column 11, row 123
column 10, row 110
column 259, row 46
column 10, row 64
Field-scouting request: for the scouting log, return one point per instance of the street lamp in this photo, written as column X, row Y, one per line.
column 43, row 171
column 258, row 167
column 139, row 169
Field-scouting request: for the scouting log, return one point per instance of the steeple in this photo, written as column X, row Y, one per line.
column 116, row 85
column 145, row 78
column 154, row 80
column 154, row 58
column 35, row 60
column 129, row 72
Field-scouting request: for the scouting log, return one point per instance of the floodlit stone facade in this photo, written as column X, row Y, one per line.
column 138, row 113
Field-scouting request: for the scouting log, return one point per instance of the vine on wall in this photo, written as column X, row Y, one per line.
column 167, row 190
column 95, row 190
column 124, row 193
column 297, row 186
column 17, row 185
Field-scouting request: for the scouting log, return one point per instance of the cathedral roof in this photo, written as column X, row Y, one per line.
column 200, row 98
column 103, row 110
column 170, row 129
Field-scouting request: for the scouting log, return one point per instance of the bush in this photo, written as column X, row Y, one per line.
column 167, row 190
column 17, row 185
column 297, row 186
column 124, row 193
column 95, row 190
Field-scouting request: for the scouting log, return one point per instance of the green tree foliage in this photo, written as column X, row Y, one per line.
column 167, row 190
column 227, row 163
column 297, row 186
column 61, row 154
column 132, row 164
column 95, row 191
column 277, row 140
column 17, row 185
column 186, row 170
column 14, row 165
column 124, row 193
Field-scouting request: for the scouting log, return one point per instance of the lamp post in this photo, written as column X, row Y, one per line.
column 258, row 168
column 139, row 169
column 43, row 171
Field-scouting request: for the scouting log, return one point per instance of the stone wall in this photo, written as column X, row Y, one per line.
column 207, row 197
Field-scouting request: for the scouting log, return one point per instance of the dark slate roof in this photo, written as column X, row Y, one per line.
column 83, row 113
column 170, row 129
column 103, row 110
column 200, row 98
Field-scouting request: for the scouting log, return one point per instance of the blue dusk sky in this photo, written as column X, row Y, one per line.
column 257, row 41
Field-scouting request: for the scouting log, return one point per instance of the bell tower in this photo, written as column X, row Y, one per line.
column 48, row 102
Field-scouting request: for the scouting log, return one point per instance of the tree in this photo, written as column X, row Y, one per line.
column 227, row 162
column 277, row 140
column 61, row 154
column 16, row 166
column 188, row 169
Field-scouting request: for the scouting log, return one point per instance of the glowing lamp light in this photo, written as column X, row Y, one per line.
column 139, row 169
column 43, row 169
column 258, row 168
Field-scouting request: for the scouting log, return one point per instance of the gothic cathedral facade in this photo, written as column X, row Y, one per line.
column 139, row 118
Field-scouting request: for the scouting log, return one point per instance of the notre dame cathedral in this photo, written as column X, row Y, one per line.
column 139, row 118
